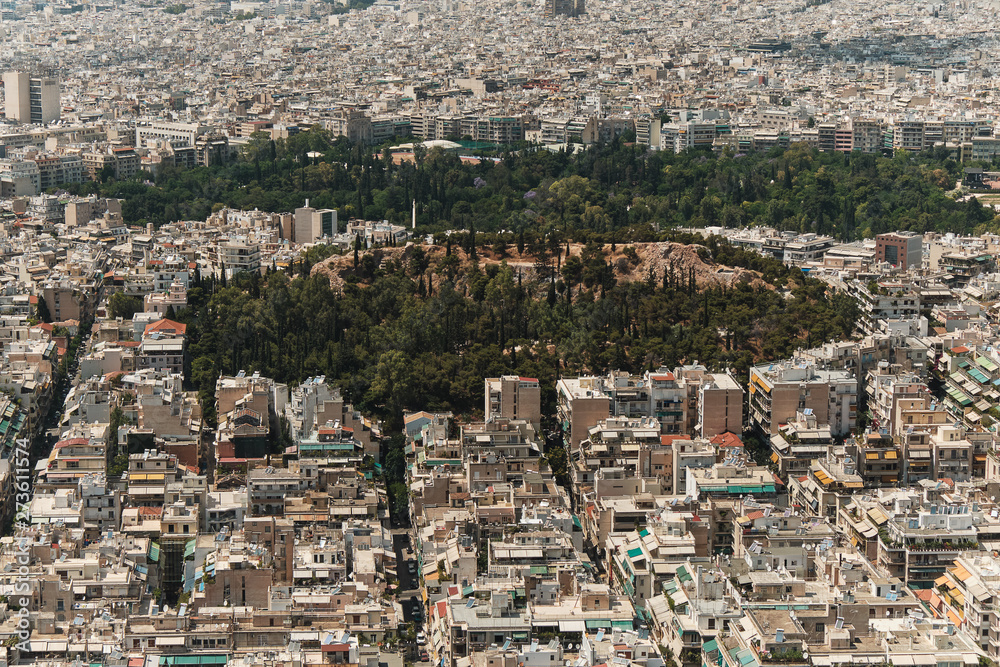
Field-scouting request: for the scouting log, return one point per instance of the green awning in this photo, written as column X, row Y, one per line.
column 576, row 522
column 154, row 552
column 643, row 533
column 710, row 645
column 189, row 548
column 632, row 553
column 683, row 575
column 978, row 375
column 539, row 569
column 599, row 623
column 467, row 591
column 194, row 659
column 988, row 364
column 624, row 625
column 769, row 488
column 443, row 462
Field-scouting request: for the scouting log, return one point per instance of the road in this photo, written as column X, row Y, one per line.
column 409, row 594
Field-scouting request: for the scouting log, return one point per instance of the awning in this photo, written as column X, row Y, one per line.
column 169, row 641
column 599, row 623
column 572, row 626
column 890, row 455
column 193, row 659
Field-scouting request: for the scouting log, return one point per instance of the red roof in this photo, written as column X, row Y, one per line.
column 165, row 325
column 336, row 648
column 71, row 441
column 961, row 349
column 756, row 514
column 528, row 379
column 727, row 439
column 669, row 439
column 442, row 608
column 32, row 299
column 663, row 377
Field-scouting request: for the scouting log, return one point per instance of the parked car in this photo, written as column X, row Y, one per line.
column 421, row 639
column 424, row 656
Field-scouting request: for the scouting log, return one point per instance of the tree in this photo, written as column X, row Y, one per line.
column 394, row 386
column 43, row 310
column 117, row 419
column 124, row 306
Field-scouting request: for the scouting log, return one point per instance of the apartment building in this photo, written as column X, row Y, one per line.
column 779, row 390
column 513, row 397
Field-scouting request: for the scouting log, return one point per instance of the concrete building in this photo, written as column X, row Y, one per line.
column 581, row 404
column 513, row 397
column 720, row 406
column 779, row 390
column 31, row 99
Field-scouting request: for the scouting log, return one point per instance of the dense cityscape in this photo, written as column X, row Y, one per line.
column 576, row 333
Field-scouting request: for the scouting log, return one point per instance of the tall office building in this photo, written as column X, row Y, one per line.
column 565, row 7
column 31, row 99
column 311, row 224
